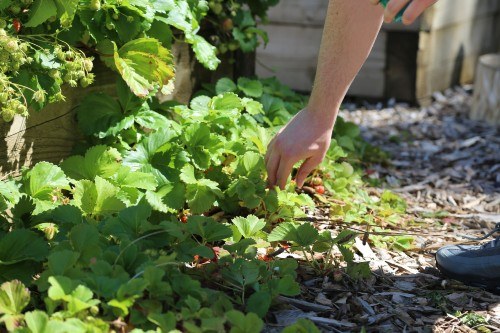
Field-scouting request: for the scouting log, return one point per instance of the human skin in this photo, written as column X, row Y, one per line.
column 350, row 30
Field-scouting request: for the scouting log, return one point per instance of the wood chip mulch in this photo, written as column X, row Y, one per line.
column 447, row 167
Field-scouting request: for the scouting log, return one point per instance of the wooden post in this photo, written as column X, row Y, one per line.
column 486, row 101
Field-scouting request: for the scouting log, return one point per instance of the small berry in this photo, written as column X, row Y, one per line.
column 320, row 189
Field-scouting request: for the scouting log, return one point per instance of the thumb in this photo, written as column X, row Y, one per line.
column 305, row 169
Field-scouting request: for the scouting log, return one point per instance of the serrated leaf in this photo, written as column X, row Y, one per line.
column 202, row 195
column 249, row 226
column 225, row 85
column 259, row 303
column 66, row 10
column 41, row 11
column 60, row 287
column 208, row 228
column 253, row 107
column 145, row 65
column 101, row 115
column 84, row 239
column 43, row 179
column 37, row 321
column 251, row 88
column 167, row 199
column 205, row 52
column 227, row 102
column 303, row 235
column 97, row 198
column 240, row 323
column 21, row 245
column 287, row 286
column 14, row 297
column 98, row 161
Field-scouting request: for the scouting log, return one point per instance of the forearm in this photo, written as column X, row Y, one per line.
column 350, row 31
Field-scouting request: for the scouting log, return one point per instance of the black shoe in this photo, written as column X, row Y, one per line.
column 475, row 265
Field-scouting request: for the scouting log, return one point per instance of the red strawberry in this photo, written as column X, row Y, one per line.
column 320, row 189
column 16, row 24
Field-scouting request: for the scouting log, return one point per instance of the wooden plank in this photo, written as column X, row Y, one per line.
column 486, row 102
column 50, row 135
column 448, row 55
column 292, row 57
column 311, row 13
column 446, row 13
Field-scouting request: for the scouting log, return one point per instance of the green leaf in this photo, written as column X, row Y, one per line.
column 61, row 261
column 240, row 323
column 41, row 11
column 43, row 179
column 14, row 297
column 97, row 198
column 302, row 326
column 125, row 177
column 37, row 321
column 242, row 273
column 145, row 65
column 205, row 52
column 66, row 10
column 98, row 161
column 259, row 303
column 303, row 235
column 208, row 228
column 21, row 245
column 202, row 195
column 288, row 286
column 166, row 321
column 251, row 88
column 9, row 195
column 169, row 198
column 253, row 107
column 196, row 137
column 101, row 115
column 60, row 286
column 227, row 102
column 249, row 226
column 225, row 85
column 84, row 239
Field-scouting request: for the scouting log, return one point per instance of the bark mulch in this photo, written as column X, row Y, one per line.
column 447, row 167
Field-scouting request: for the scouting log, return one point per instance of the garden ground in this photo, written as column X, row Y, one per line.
column 447, row 168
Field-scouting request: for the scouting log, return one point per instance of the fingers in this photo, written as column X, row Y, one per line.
column 374, row 2
column 415, row 9
column 393, row 8
column 272, row 165
column 305, row 169
column 284, row 170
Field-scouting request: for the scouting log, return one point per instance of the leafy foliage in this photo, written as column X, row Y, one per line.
column 165, row 221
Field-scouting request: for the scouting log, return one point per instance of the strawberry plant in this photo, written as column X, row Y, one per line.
column 234, row 23
column 46, row 44
column 164, row 221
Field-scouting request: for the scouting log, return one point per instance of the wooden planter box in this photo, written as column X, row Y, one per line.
column 51, row 134
column 408, row 63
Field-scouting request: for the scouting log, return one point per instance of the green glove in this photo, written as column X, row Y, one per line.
column 398, row 17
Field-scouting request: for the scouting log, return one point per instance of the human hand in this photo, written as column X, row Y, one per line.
column 305, row 138
column 414, row 10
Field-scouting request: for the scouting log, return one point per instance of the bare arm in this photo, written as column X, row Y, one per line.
column 350, row 31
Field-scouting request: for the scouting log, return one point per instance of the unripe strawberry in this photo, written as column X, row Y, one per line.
column 95, row 4
column 316, row 181
column 227, row 25
column 14, row 9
